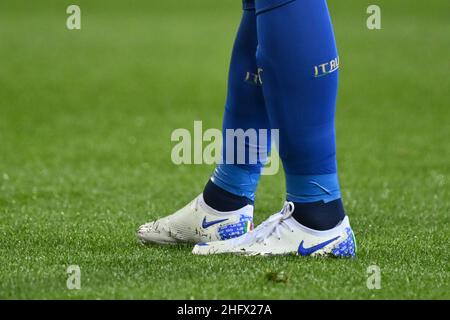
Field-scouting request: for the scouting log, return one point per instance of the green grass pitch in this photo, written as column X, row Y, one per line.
column 85, row 124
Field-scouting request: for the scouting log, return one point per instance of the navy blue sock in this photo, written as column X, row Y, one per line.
column 221, row 200
column 319, row 215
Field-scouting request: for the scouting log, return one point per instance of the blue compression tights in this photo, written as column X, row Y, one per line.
column 284, row 75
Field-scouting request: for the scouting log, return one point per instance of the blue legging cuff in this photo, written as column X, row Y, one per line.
column 236, row 180
column 312, row 188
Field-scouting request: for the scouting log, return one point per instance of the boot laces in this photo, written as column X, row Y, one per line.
column 273, row 225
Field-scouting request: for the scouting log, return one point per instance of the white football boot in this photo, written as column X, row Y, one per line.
column 281, row 234
column 197, row 222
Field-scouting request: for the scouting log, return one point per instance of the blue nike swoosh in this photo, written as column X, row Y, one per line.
column 307, row 251
column 206, row 224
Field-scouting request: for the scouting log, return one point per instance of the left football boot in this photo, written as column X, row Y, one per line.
column 197, row 222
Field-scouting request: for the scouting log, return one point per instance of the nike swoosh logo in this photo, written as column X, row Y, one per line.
column 308, row 251
column 207, row 224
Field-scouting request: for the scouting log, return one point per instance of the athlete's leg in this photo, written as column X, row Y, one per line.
column 233, row 185
column 298, row 55
column 225, row 209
